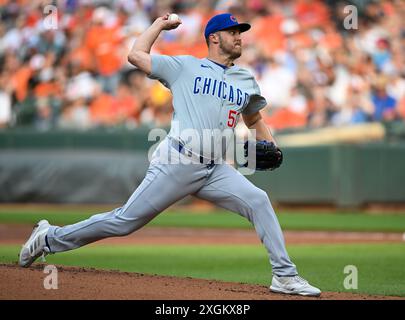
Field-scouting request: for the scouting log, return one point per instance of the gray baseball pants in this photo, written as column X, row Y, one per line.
column 163, row 185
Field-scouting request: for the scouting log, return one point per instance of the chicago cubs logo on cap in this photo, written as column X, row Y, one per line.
column 224, row 21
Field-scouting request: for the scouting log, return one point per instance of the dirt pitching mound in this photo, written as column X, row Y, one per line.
column 84, row 284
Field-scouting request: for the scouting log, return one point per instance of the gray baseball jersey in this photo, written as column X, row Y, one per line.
column 205, row 96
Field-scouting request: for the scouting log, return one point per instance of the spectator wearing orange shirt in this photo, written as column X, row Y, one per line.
column 125, row 108
column 292, row 116
column 101, row 110
column 103, row 40
column 140, row 91
column 311, row 13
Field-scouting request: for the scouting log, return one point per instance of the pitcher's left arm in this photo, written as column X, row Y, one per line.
column 255, row 121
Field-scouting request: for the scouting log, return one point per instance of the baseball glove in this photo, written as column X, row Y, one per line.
column 268, row 155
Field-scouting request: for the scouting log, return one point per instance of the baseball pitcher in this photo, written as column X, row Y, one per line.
column 208, row 94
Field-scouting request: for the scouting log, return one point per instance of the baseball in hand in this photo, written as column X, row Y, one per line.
column 173, row 17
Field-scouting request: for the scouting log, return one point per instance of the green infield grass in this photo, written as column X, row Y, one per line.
column 380, row 267
column 289, row 220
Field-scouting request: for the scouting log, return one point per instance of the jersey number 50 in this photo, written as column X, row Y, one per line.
column 232, row 116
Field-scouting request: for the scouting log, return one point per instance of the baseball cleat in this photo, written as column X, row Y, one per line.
column 293, row 285
column 35, row 246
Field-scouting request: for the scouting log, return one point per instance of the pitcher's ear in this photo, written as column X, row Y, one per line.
column 214, row 37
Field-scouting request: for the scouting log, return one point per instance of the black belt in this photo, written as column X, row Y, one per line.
column 180, row 148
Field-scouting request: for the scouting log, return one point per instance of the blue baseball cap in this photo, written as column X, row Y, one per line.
column 224, row 21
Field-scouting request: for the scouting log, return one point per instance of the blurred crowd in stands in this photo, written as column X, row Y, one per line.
column 314, row 71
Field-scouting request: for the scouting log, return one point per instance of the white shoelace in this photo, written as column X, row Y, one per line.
column 300, row 280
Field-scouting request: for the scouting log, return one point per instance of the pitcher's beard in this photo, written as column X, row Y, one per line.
column 229, row 50
column 236, row 54
column 232, row 53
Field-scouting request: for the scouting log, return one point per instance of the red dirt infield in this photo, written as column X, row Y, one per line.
column 90, row 284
